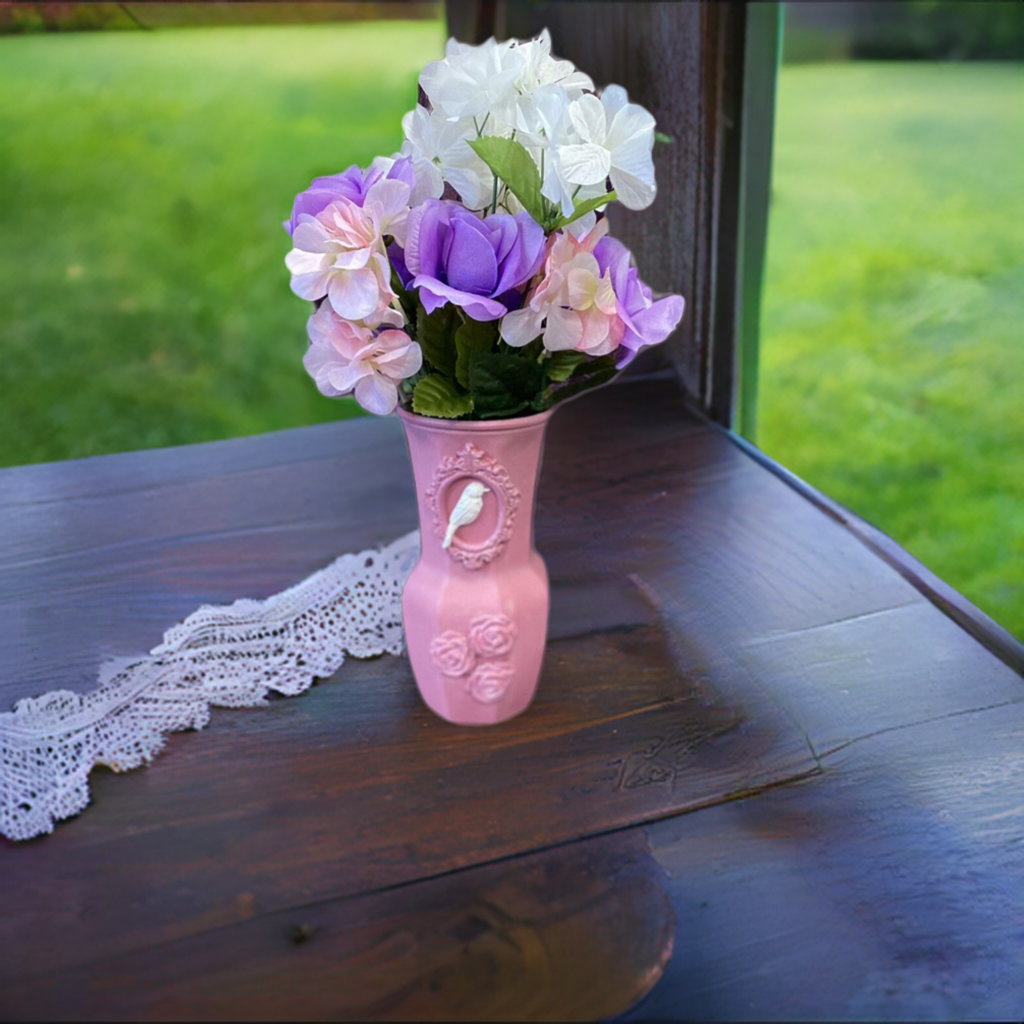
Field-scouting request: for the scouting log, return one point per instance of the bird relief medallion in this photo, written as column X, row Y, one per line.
column 473, row 501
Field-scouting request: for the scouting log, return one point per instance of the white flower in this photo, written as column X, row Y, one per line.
column 344, row 356
column 543, row 90
column 541, row 69
column 492, row 80
column 600, row 139
column 474, row 81
column 440, row 153
column 538, row 117
column 518, row 89
column 340, row 252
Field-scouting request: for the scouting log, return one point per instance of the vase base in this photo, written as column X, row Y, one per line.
column 499, row 718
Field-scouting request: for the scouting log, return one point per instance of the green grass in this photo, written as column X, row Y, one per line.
column 143, row 180
column 892, row 351
column 144, row 299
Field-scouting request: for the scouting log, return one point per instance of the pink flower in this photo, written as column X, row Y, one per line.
column 340, row 252
column 344, row 356
column 451, row 653
column 492, row 636
column 574, row 305
column 489, row 681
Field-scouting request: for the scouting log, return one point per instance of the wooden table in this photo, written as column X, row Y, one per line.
column 766, row 775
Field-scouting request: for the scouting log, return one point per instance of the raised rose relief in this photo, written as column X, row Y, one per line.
column 492, row 636
column 481, row 655
column 452, row 654
column 489, row 681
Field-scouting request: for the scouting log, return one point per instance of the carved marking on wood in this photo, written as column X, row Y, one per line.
column 663, row 758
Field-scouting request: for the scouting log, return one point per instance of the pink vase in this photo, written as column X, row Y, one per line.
column 475, row 608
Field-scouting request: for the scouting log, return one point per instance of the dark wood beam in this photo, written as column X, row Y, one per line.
column 683, row 62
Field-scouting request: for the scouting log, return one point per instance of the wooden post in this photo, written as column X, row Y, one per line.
column 762, row 56
column 683, row 62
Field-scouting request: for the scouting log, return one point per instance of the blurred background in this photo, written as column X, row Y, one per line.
column 892, row 336
column 148, row 154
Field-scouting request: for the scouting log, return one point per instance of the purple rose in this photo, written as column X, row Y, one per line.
column 456, row 257
column 352, row 184
column 647, row 322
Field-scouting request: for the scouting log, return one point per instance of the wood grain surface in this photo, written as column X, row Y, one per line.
column 985, row 630
column 509, row 941
column 714, row 634
column 890, row 887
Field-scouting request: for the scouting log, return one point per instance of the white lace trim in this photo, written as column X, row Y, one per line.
column 228, row 656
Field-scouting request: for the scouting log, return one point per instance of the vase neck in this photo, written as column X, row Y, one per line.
column 475, row 488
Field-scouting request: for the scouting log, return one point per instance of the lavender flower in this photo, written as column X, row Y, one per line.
column 352, row 184
column 647, row 322
column 479, row 265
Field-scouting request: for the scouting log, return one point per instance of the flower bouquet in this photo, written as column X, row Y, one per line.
column 469, row 281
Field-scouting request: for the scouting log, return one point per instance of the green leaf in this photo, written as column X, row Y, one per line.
column 580, row 384
column 533, row 350
column 503, row 383
column 562, row 364
column 598, row 365
column 590, row 374
column 509, row 161
column 585, row 207
column 472, row 336
column 438, row 396
column 408, row 386
column 436, row 334
column 665, row 140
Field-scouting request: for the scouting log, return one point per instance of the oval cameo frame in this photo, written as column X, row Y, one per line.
column 473, row 463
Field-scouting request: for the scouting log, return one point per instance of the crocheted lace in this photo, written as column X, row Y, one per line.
column 229, row 656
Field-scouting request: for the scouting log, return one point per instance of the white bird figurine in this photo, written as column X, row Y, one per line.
column 466, row 511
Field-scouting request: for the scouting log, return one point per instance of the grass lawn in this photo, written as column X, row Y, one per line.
column 892, row 360
column 144, row 299
column 143, row 180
